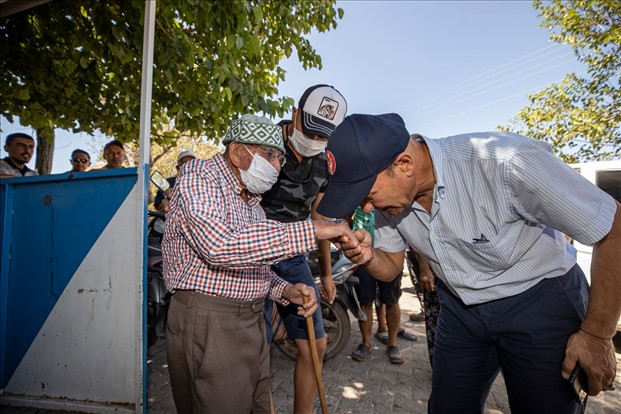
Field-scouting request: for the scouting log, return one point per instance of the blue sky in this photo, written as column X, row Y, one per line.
column 447, row 67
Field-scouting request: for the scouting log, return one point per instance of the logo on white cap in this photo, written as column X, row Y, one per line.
column 323, row 108
column 328, row 108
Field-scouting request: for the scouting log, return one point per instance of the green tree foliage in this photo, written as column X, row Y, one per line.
column 580, row 116
column 76, row 64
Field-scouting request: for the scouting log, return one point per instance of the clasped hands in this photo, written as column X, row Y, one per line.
column 356, row 245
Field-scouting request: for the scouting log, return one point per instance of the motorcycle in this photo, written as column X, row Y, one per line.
column 158, row 297
column 335, row 316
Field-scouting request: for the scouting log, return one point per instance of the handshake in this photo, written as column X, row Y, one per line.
column 356, row 245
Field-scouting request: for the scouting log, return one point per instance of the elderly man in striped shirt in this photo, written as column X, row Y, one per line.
column 487, row 210
column 217, row 249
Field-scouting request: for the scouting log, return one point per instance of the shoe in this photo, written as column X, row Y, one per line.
column 418, row 317
column 361, row 353
column 393, row 355
column 408, row 336
column 382, row 337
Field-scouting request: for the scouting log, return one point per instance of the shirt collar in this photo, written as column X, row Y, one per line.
column 22, row 170
column 437, row 162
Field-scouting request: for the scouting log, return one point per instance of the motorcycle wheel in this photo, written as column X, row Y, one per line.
column 337, row 326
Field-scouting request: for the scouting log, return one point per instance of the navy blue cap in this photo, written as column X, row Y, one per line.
column 359, row 149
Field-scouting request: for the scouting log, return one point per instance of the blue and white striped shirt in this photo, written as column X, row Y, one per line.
column 497, row 200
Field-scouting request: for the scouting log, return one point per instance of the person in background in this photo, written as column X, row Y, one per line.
column 430, row 304
column 80, row 161
column 370, row 291
column 114, row 154
column 162, row 199
column 487, row 210
column 217, row 250
column 293, row 199
column 19, row 147
column 420, row 315
column 382, row 326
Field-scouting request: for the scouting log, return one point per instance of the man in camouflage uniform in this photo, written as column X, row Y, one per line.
column 294, row 197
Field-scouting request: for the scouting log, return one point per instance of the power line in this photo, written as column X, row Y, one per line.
column 528, row 69
column 469, row 80
column 474, row 93
column 490, row 77
column 489, row 103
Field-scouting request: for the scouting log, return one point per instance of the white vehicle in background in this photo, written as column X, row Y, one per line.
column 607, row 176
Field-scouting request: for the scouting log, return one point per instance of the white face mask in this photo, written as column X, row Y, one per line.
column 305, row 146
column 260, row 176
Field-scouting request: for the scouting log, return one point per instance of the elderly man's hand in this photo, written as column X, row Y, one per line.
column 295, row 294
column 596, row 357
column 332, row 230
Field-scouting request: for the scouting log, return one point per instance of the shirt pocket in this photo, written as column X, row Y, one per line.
column 503, row 250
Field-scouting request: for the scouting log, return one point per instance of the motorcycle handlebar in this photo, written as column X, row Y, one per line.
column 159, row 214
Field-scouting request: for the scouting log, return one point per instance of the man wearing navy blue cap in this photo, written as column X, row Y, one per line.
column 294, row 198
column 487, row 210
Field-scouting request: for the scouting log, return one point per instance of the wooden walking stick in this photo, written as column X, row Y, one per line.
column 317, row 368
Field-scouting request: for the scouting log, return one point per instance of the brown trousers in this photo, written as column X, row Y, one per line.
column 218, row 356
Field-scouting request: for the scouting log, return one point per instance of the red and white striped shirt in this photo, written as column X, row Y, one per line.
column 217, row 244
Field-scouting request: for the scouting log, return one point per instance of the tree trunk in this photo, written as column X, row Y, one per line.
column 45, row 150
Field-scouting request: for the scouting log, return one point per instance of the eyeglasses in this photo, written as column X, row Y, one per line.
column 272, row 154
column 83, row 161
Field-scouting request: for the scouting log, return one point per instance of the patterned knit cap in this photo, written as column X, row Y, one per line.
column 255, row 130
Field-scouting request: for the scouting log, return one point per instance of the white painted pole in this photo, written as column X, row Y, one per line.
column 147, row 82
column 142, row 202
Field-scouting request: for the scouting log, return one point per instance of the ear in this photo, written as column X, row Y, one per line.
column 234, row 153
column 404, row 163
column 237, row 152
column 294, row 113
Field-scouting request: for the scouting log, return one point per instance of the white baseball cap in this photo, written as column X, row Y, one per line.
column 184, row 154
column 323, row 109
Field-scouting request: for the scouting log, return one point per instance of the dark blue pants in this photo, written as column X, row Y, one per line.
column 524, row 336
column 294, row 270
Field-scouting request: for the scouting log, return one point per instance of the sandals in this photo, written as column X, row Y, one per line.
column 403, row 334
column 394, row 356
column 382, row 337
column 360, row 353
column 408, row 336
